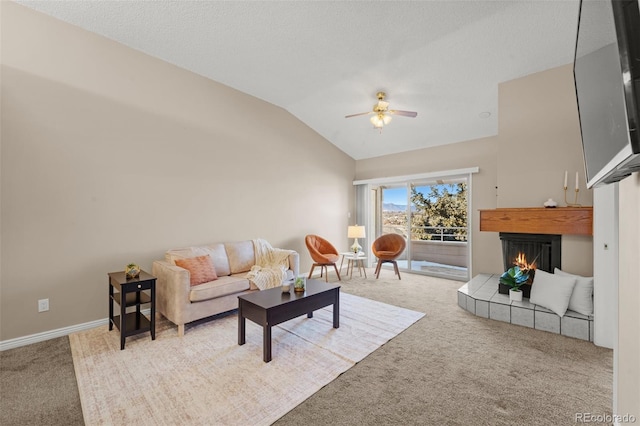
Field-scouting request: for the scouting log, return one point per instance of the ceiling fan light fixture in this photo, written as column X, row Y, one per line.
column 381, row 114
column 380, row 120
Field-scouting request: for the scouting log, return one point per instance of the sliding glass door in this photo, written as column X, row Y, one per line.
column 432, row 216
column 438, row 228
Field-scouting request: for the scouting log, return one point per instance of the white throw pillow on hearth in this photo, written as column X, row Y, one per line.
column 552, row 291
column 582, row 298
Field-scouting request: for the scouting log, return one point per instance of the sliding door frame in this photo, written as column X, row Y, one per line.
column 364, row 206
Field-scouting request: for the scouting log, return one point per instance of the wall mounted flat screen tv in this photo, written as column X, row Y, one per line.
column 607, row 78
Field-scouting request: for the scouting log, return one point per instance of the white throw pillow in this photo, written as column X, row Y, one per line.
column 552, row 291
column 582, row 298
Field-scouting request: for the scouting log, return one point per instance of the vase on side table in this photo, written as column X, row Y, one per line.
column 132, row 271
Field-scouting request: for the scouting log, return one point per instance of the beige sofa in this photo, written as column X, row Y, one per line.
column 182, row 303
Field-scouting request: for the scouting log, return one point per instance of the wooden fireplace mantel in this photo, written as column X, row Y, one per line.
column 539, row 220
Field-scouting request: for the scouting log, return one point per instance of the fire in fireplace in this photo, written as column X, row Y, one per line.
column 526, row 267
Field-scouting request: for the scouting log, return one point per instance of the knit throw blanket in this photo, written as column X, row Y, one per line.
column 271, row 265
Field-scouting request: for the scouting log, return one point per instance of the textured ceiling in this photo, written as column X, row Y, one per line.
column 322, row 60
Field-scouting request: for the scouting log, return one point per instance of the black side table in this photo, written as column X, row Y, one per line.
column 132, row 292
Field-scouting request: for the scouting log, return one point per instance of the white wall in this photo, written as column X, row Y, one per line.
column 627, row 352
column 605, row 265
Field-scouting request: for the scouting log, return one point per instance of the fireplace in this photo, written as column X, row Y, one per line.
column 536, row 232
column 543, row 249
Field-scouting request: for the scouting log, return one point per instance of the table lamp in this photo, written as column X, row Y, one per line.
column 355, row 232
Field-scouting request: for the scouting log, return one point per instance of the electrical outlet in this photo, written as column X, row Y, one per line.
column 43, row 305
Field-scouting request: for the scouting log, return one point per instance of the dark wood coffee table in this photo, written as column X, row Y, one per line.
column 272, row 307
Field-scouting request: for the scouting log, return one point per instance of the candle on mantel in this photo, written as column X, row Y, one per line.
column 565, row 178
column 576, row 181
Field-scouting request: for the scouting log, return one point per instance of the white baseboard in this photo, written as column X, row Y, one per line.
column 52, row 334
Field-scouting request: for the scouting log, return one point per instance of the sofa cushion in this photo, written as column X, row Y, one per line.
column 220, row 259
column 216, row 251
column 201, row 269
column 241, row 256
column 184, row 253
column 223, row 286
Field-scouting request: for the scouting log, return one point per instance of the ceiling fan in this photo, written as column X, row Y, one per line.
column 381, row 113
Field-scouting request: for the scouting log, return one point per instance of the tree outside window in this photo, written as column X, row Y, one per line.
column 440, row 214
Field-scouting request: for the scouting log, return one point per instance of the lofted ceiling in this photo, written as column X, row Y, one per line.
column 322, row 60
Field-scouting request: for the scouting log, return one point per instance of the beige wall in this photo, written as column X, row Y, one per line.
column 86, row 120
column 628, row 348
column 523, row 166
column 110, row 156
column 481, row 153
column 539, row 138
column 539, row 134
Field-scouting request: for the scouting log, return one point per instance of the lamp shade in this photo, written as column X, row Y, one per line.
column 355, row 232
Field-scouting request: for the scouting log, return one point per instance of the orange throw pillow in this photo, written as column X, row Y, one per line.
column 200, row 268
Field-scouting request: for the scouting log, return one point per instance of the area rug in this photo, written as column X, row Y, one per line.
column 206, row 378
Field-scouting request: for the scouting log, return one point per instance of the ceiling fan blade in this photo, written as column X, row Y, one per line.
column 403, row 113
column 359, row 114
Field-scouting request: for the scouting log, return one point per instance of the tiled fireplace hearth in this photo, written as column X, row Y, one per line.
column 480, row 297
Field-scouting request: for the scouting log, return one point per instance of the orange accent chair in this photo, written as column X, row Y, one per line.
column 387, row 248
column 323, row 254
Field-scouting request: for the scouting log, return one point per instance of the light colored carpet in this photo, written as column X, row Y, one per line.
column 207, row 378
column 454, row 368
